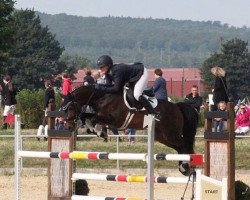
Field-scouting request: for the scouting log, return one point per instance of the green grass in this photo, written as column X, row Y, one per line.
column 242, row 155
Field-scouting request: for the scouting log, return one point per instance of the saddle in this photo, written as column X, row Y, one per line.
column 133, row 104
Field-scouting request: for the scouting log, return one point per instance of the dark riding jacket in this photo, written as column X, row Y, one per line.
column 220, row 90
column 49, row 96
column 89, row 79
column 9, row 96
column 122, row 74
column 196, row 101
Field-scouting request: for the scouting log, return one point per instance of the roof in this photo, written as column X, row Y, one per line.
column 176, row 74
column 176, row 84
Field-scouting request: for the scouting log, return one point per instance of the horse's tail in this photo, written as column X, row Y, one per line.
column 191, row 117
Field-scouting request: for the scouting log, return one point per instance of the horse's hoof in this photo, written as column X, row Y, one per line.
column 185, row 169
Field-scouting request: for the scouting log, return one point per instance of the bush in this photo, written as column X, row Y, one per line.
column 30, row 107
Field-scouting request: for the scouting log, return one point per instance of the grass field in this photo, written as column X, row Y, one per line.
column 242, row 154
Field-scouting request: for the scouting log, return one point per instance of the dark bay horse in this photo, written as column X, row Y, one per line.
column 176, row 129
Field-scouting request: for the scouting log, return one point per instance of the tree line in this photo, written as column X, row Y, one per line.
column 155, row 42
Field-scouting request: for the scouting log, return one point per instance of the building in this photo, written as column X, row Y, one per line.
column 179, row 80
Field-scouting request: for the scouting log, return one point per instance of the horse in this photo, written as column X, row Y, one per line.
column 176, row 129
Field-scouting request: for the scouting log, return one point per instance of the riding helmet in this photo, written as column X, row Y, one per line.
column 105, row 60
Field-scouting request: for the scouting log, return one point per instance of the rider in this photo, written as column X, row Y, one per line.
column 136, row 74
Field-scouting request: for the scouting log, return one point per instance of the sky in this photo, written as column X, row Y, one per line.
column 233, row 12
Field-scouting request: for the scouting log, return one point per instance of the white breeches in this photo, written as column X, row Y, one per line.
column 242, row 129
column 42, row 131
column 141, row 84
column 9, row 109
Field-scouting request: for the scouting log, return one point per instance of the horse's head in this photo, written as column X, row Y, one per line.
column 72, row 111
column 82, row 96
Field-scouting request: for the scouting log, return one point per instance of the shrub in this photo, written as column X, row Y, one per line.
column 30, row 107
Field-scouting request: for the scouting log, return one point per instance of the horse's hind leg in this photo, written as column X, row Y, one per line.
column 104, row 134
column 176, row 142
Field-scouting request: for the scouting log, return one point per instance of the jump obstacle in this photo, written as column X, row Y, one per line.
column 62, row 160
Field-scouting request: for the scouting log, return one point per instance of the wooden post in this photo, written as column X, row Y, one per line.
column 59, row 170
column 220, row 149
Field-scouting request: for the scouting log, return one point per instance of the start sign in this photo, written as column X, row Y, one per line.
column 210, row 189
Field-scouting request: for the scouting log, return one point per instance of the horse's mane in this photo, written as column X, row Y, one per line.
column 90, row 87
column 82, row 86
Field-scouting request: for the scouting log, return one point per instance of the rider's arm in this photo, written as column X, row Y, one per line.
column 118, row 83
column 156, row 85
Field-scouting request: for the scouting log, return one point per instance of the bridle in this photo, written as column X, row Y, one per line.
column 76, row 109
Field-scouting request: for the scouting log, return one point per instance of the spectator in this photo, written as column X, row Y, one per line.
column 66, row 88
column 130, row 132
column 193, row 98
column 159, row 87
column 49, row 97
column 59, row 125
column 1, row 92
column 242, row 122
column 220, row 86
column 9, row 98
column 218, row 122
column 81, row 187
column 88, row 79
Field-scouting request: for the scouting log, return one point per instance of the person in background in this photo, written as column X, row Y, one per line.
column 220, row 87
column 66, row 88
column 81, row 187
column 9, row 98
column 49, row 97
column 1, row 92
column 59, row 125
column 130, row 132
column 88, row 79
column 193, row 98
column 242, row 122
column 218, row 122
column 160, row 87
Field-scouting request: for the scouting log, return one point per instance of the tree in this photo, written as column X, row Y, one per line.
column 35, row 52
column 6, row 33
column 74, row 61
column 235, row 59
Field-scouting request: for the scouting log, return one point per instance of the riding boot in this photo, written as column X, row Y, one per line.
column 4, row 126
column 149, row 107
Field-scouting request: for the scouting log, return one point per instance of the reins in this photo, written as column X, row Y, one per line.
column 76, row 109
